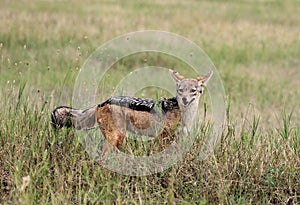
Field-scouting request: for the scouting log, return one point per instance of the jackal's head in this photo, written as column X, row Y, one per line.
column 189, row 90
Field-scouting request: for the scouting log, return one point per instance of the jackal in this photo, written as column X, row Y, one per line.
column 165, row 118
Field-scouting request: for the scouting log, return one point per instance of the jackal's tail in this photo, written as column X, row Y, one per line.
column 64, row 116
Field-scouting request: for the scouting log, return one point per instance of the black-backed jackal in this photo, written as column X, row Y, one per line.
column 117, row 115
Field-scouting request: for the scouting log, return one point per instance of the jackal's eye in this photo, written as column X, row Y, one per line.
column 180, row 90
column 193, row 90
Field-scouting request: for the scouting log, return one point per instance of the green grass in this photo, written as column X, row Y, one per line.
column 254, row 44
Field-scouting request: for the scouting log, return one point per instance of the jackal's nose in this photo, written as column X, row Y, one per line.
column 184, row 100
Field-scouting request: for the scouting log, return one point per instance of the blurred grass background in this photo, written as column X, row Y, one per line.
column 255, row 46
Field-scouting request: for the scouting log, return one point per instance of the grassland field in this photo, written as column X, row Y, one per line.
column 255, row 45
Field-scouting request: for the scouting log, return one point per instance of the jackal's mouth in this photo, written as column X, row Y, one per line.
column 187, row 103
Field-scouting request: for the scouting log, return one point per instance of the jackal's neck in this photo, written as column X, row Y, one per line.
column 189, row 116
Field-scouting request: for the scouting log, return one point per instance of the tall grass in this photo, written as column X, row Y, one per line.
column 43, row 166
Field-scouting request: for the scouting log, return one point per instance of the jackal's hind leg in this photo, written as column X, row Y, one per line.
column 113, row 140
column 112, row 128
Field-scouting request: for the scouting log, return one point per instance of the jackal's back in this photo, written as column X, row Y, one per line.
column 140, row 104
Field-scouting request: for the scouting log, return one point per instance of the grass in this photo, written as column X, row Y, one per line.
column 255, row 46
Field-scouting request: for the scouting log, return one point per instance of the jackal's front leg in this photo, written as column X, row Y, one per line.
column 167, row 136
column 170, row 130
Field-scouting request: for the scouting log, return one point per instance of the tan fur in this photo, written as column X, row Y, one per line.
column 115, row 120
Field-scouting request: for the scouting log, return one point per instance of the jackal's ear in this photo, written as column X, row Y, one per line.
column 177, row 77
column 205, row 78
